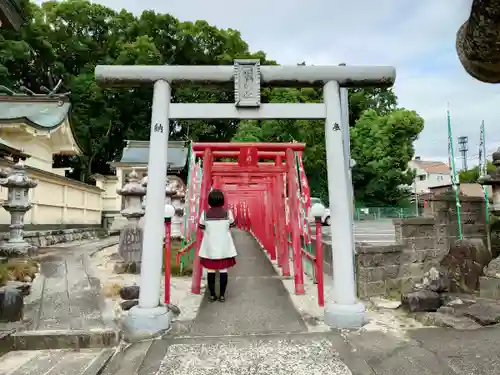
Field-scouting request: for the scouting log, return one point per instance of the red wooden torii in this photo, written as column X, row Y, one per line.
column 256, row 192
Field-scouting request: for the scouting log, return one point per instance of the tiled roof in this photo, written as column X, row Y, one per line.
column 467, row 189
column 137, row 152
column 10, row 149
column 43, row 113
column 433, row 166
column 474, row 190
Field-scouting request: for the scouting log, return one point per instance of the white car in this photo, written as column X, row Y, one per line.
column 326, row 219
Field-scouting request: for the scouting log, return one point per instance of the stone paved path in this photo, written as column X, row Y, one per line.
column 66, row 294
column 65, row 307
column 257, row 302
column 256, row 331
column 55, row 362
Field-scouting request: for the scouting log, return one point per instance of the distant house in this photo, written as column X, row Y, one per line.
column 11, row 15
column 429, row 174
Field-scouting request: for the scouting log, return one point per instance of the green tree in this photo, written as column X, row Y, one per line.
column 67, row 39
column 381, row 142
column 382, row 100
column 382, row 146
column 471, row 175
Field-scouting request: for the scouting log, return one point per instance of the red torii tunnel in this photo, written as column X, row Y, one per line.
column 258, row 193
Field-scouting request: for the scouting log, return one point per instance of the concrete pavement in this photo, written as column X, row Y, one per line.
column 259, row 331
column 428, row 351
column 379, row 232
column 257, row 302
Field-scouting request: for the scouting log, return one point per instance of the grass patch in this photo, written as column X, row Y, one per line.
column 178, row 270
column 101, row 233
column 394, row 295
column 111, row 290
column 18, row 270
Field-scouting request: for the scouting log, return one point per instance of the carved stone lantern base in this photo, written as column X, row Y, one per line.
column 16, row 248
column 122, row 267
column 130, row 243
column 130, row 250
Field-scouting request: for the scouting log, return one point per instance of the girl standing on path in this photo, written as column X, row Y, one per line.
column 217, row 252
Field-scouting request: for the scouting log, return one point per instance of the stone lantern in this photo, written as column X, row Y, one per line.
column 130, row 243
column 178, row 201
column 18, row 185
column 4, row 172
column 169, row 194
column 133, row 192
column 493, row 179
column 489, row 284
column 144, row 182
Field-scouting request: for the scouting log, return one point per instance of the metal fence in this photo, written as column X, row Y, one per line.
column 377, row 213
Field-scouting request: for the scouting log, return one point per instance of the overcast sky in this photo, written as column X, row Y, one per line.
column 417, row 37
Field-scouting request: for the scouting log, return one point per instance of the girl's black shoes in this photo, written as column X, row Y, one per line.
column 214, row 298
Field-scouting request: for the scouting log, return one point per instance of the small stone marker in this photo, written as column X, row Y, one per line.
column 130, row 243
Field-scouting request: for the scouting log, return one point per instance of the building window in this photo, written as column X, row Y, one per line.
column 421, row 177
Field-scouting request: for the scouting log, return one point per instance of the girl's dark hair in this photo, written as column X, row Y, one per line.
column 216, row 198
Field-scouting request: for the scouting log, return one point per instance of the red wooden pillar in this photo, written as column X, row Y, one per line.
column 274, row 216
column 205, row 188
column 294, row 223
column 270, row 219
column 282, row 236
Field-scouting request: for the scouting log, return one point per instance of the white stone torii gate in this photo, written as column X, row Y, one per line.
column 149, row 317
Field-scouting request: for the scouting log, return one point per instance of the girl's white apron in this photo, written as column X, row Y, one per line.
column 217, row 241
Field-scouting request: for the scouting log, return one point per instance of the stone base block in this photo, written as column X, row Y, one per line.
column 489, row 287
column 128, row 267
column 146, row 323
column 345, row 316
column 17, row 248
column 421, row 300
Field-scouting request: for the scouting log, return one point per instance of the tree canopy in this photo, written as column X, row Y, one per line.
column 67, row 39
column 472, row 175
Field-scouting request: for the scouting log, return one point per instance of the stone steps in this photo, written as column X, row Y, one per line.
column 277, row 354
column 140, row 358
column 55, row 362
column 59, row 339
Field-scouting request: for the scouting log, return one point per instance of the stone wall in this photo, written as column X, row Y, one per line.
column 51, row 237
column 57, row 200
column 422, row 243
column 394, row 269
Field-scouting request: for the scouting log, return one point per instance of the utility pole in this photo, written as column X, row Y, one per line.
column 463, row 147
